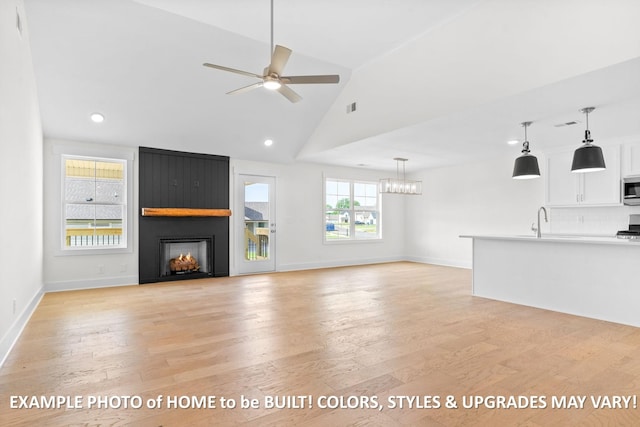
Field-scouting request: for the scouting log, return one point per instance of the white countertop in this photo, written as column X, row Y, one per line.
column 561, row 238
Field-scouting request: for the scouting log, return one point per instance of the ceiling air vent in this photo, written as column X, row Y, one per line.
column 351, row 107
column 571, row 123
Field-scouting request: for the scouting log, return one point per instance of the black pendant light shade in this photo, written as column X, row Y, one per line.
column 526, row 166
column 588, row 158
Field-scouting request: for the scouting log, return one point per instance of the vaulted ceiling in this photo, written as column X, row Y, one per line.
column 435, row 81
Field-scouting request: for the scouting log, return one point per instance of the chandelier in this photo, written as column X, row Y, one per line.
column 400, row 185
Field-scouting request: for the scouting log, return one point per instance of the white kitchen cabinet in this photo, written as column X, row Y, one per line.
column 569, row 279
column 565, row 188
column 631, row 159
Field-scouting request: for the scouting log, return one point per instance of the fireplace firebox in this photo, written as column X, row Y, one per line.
column 186, row 256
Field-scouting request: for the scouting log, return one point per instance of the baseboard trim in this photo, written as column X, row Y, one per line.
column 441, row 261
column 341, row 263
column 14, row 332
column 76, row 285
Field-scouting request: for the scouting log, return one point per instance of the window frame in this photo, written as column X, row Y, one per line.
column 64, row 152
column 352, row 211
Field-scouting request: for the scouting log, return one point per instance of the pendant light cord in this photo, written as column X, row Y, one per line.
column 587, row 132
column 404, row 172
column 586, row 113
column 525, row 144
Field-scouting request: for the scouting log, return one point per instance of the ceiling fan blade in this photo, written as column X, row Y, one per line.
column 289, row 93
column 296, row 80
column 279, row 59
column 233, row 70
column 245, row 89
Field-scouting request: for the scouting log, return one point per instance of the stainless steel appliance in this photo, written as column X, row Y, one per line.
column 631, row 190
column 633, row 232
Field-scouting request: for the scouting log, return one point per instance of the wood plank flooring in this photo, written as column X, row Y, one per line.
column 355, row 335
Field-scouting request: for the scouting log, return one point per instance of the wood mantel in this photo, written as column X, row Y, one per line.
column 177, row 212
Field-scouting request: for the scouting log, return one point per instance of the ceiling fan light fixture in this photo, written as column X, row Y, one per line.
column 589, row 157
column 97, row 117
column 526, row 166
column 273, row 77
column 271, row 83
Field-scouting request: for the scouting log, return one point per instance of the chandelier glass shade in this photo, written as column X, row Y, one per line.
column 400, row 184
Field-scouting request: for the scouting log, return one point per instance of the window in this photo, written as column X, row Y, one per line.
column 352, row 210
column 94, row 208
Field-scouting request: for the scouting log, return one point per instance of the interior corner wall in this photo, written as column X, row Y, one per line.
column 300, row 218
column 20, row 179
column 478, row 198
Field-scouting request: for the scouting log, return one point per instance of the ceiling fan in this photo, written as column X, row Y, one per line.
column 272, row 77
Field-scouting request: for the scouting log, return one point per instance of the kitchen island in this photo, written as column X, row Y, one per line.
column 597, row 277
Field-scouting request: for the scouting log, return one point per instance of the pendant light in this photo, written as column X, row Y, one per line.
column 400, row 185
column 588, row 158
column 526, row 166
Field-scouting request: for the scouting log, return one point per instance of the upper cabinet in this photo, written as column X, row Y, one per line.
column 631, row 159
column 565, row 188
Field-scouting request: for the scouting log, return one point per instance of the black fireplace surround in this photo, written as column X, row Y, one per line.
column 173, row 179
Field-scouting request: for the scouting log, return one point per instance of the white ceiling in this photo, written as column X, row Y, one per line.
column 436, row 81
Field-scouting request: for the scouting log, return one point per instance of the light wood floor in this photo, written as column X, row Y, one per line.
column 398, row 329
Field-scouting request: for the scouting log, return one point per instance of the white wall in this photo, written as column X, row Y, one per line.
column 300, row 218
column 20, row 179
column 479, row 198
column 80, row 271
column 299, row 210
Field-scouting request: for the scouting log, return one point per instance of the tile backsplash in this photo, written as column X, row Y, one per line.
column 591, row 221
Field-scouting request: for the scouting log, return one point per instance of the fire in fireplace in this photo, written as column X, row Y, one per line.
column 186, row 256
column 183, row 264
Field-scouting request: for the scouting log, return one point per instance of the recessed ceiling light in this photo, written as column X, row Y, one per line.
column 97, row 118
column 268, row 142
column 513, row 142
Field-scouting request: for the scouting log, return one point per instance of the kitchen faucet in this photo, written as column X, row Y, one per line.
column 538, row 232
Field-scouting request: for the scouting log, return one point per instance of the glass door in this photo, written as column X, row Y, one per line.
column 256, row 225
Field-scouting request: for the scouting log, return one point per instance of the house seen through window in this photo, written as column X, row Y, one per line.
column 352, row 210
column 95, row 203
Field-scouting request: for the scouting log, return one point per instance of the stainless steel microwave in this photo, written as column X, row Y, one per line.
column 631, row 190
